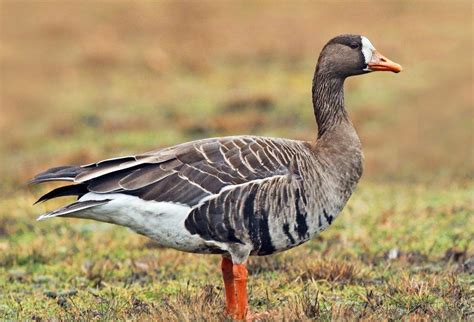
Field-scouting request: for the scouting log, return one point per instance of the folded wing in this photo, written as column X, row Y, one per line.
column 185, row 174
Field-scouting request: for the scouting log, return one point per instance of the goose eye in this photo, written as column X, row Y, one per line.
column 354, row 45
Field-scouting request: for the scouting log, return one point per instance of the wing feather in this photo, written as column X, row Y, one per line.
column 187, row 173
column 143, row 177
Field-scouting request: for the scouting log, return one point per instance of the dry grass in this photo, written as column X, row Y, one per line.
column 397, row 252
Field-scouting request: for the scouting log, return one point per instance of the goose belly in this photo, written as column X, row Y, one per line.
column 160, row 221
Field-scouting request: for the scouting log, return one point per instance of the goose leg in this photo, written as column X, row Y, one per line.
column 230, row 295
column 235, row 283
column 240, row 284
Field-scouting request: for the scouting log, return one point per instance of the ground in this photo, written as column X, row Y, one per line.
column 396, row 251
column 81, row 82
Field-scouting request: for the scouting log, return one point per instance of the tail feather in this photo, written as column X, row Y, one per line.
column 73, row 208
column 65, row 173
column 71, row 190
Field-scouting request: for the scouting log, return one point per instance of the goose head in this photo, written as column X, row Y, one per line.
column 349, row 55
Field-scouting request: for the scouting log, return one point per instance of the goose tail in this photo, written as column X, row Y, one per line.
column 64, row 173
column 74, row 209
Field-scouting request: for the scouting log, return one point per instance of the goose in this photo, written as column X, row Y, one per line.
column 236, row 196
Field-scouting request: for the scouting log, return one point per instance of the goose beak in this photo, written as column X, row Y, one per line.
column 381, row 63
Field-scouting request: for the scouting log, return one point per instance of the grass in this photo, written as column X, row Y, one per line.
column 81, row 82
column 397, row 251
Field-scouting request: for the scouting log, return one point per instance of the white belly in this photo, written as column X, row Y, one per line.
column 161, row 221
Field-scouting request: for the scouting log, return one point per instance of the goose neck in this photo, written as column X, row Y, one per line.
column 328, row 102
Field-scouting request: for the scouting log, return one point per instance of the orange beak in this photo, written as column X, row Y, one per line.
column 381, row 63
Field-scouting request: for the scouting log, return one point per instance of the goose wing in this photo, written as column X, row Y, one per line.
column 186, row 173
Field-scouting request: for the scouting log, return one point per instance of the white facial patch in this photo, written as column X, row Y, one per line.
column 367, row 49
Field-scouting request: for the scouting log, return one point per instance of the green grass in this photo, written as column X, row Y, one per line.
column 397, row 251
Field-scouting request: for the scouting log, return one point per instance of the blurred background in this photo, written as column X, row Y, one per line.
column 92, row 80
column 85, row 81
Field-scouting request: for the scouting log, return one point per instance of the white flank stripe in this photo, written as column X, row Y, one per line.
column 233, row 186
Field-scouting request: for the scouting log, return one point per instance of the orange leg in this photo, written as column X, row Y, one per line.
column 240, row 284
column 235, row 282
column 227, row 273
